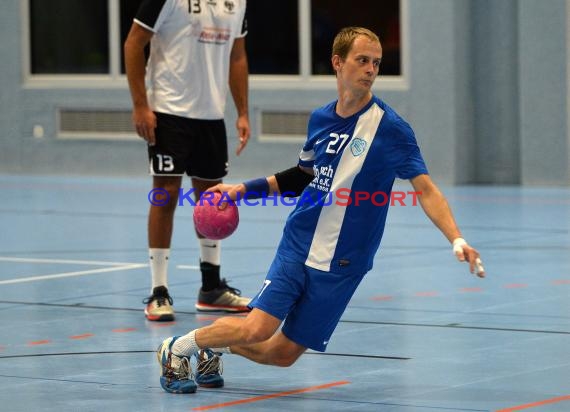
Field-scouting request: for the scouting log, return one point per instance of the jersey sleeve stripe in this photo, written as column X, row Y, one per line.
column 140, row 23
column 331, row 218
column 148, row 13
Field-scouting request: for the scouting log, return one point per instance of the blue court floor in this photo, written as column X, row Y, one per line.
column 421, row 334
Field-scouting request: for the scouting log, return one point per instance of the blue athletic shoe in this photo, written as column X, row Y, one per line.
column 176, row 373
column 209, row 369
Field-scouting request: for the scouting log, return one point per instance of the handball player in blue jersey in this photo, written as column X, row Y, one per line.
column 356, row 144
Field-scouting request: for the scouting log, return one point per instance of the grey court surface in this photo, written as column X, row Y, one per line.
column 421, row 334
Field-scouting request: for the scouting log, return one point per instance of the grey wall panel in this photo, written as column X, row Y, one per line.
column 487, row 98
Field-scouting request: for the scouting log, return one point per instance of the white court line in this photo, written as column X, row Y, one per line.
column 63, row 261
column 72, row 274
column 194, row 267
column 116, row 266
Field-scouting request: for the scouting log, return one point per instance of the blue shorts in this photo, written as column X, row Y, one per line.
column 309, row 300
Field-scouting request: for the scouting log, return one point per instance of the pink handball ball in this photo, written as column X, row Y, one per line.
column 212, row 222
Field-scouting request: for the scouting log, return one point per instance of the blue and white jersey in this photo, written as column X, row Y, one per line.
column 363, row 153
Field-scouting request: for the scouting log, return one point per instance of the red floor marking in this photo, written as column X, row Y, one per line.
column 561, row 282
column 515, row 285
column 162, row 324
column 539, row 403
column 382, row 297
column 426, row 294
column 39, row 342
column 124, row 330
column 84, row 336
column 471, row 290
column 274, row 395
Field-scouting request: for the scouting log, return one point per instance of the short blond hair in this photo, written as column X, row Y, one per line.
column 345, row 38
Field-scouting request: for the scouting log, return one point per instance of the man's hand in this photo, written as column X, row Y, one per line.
column 242, row 126
column 229, row 192
column 464, row 252
column 144, row 121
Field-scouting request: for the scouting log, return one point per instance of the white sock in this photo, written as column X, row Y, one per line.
column 186, row 345
column 158, row 267
column 210, row 251
column 222, row 350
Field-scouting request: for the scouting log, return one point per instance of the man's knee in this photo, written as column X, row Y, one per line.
column 173, row 190
column 254, row 333
column 258, row 327
column 285, row 359
column 284, row 352
column 169, row 189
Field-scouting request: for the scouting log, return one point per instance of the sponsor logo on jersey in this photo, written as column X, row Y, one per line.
column 323, row 178
column 214, row 36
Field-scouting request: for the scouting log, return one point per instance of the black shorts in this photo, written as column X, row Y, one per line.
column 196, row 147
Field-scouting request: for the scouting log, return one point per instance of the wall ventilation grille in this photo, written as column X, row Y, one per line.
column 275, row 126
column 283, row 126
column 96, row 124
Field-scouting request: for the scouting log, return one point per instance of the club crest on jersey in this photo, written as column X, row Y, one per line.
column 357, row 146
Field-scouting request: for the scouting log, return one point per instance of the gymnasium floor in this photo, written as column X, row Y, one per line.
column 421, row 334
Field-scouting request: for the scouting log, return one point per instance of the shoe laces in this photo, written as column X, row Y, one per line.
column 208, row 363
column 224, row 285
column 160, row 299
column 176, row 367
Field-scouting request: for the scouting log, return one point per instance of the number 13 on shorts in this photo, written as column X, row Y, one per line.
column 165, row 163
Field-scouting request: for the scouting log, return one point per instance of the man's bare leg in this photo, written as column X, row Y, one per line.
column 278, row 350
column 252, row 337
column 161, row 218
column 160, row 222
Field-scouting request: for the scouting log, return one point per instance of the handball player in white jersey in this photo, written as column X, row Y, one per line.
column 197, row 48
